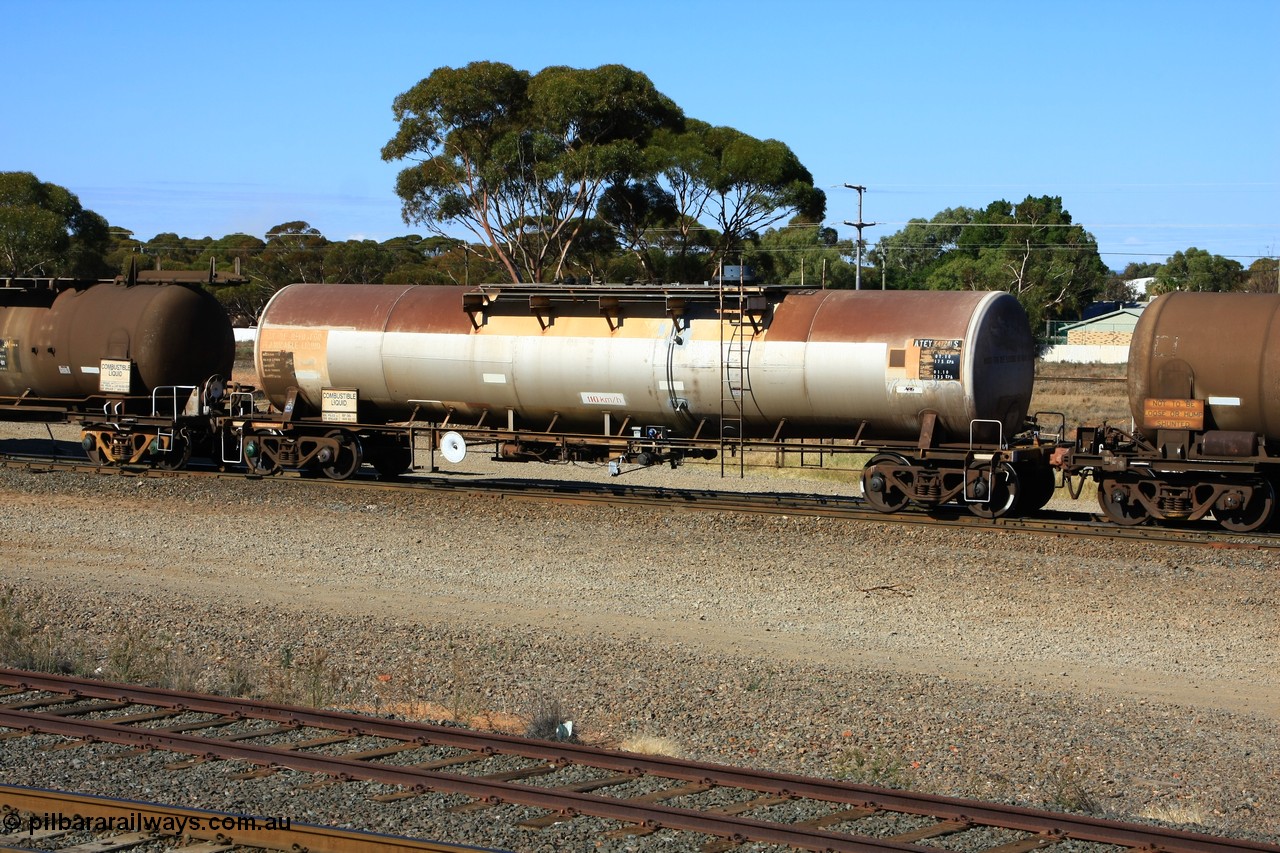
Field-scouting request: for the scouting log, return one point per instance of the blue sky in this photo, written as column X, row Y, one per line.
column 1157, row 122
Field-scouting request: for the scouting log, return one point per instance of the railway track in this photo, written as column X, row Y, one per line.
column 1076, row 524
column 621, row 795
column 60, row 822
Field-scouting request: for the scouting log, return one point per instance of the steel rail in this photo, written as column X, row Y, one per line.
column 492, row 791
column 957, row 812
column 845, row 508
column 224, row 828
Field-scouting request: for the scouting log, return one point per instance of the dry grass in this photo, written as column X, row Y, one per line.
column 1066, row 785
column 29, row 639
column 1177, row 813
column 549, row 720
column 1061, row 388
column 1096, row 370
column 871, row 766
column 643, row 744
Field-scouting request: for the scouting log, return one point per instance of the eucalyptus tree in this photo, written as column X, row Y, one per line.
column 640, row 213
column 519, row 160
column 749, row 185
column 804, row 253
column 44, row 231
column 709, row 193
column 1197, row 269
column 357, row 262
column 1263, row 276
column 905, row 257
column 294, row 252
column 1031, row 249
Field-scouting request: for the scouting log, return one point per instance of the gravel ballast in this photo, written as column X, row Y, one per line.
column 1130, row 680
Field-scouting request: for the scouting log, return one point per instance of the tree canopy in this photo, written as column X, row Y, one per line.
column 649, row 225
column 44, row 231
column 536, row 165
column 1196, row 269
column 1263, row 276
column 521, row 160
column 805, row 254
column 1030, row 249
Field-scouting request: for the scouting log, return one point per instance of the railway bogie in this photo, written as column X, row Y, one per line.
column 988, row 481
column 1180, row 476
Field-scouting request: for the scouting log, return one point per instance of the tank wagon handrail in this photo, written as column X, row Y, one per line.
column 242, row 402
column 1046, row 435
column 1000, row 443
column 157, row 394
column 624, row 294
column 711, row 291
column 44, row 283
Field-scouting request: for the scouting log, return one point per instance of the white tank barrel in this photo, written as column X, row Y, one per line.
column 828, row 362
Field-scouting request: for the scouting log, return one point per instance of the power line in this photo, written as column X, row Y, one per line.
column 1179, row 187
column 1085, row 225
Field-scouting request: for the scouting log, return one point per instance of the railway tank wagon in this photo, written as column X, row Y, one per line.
column 106, row 353
column 1204, row 392
column 557, row 372
column 55, row 340
column 823, row 360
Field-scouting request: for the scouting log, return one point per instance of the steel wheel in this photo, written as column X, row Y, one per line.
column 256, row 461
column 349, row 458
column 176, row 457
column 877, row 487
column 1253, row 515
column 1004, row 487
column 1118, row 507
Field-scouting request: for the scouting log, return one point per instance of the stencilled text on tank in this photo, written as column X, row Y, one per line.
column 939, row 357
column 284, row 350
column 603, row 398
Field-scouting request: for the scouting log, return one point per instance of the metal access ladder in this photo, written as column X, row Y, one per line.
column 735, row 375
